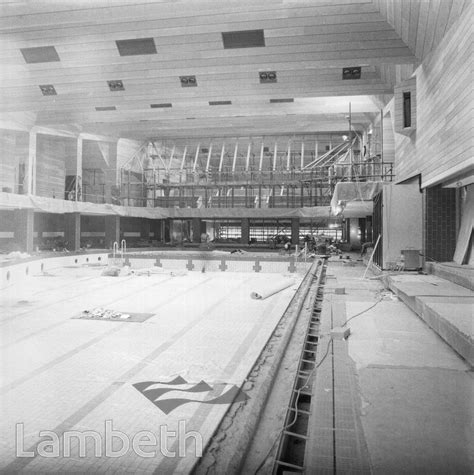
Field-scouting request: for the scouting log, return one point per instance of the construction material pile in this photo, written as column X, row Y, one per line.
column 105, row 314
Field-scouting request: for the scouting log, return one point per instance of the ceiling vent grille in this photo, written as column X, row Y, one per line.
column 40, row 54
column 220, row 103
column 188, row 81
column 105, row 108
column 243, row 39
column 48, row 90
column 159, row 106
column 116, row 85
column 136, row 46
column 277, row 101
column 267, row 77
column 351, row 73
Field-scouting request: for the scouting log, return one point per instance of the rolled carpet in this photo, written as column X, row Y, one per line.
column 267, row 290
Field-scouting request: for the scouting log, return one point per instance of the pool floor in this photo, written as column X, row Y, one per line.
column 63, row 374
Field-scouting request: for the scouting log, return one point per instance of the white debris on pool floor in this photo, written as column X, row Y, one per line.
column 63, row 374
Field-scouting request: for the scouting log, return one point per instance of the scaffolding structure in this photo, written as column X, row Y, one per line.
column 244, row 174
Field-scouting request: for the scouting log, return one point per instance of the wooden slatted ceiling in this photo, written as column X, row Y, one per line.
column 307, row 43
column 421, row 24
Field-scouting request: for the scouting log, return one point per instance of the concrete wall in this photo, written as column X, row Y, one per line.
column 402, row 220
column 19, row 272
column 225, row 263
column 13, row 152
column 53, row 155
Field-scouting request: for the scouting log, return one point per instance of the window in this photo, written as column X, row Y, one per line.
column 406, row 109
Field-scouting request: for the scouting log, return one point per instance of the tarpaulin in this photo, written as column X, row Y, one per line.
column 355, row 197
column 53, row 205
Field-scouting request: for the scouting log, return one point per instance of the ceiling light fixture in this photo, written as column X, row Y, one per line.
column 116, row 85
column 188, row 81
column 351, row 72
column 267, row 77
column 48, row 90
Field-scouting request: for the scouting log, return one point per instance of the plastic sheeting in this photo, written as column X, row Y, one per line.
column 356, row 196
column 53, row 205
column 270, row 289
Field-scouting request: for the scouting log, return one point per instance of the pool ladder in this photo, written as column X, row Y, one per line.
column 123, row 249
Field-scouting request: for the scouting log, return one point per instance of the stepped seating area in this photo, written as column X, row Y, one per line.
column 444, row 303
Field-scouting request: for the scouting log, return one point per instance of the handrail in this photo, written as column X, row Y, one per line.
column 114, row 249
column 123, row 247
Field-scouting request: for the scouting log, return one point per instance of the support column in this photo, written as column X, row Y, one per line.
column 72, row 231
column 24, row 229
column 78, row 187
column 363, row 236
column 111, row 174
column 196, row 229
column 39, row 227
column 112, row 231
column 346, row 230
column 31, row 168
column 145, row 229
column 155, row 227
column 167, row 230
column 245, row 231
column 295, row 230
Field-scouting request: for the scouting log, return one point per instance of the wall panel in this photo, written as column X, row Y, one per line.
column 442, row 144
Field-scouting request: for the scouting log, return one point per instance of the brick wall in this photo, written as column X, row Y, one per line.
column 440, row 223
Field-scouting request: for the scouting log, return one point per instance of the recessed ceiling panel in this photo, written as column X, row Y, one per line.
column 136, row 46
column 41, row 54
column 243, row 39
column 275, row 101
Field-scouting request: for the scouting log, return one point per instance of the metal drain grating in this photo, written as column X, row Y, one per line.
column 291, row 450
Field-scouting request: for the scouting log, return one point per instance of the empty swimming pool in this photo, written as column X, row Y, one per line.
column 117, row 392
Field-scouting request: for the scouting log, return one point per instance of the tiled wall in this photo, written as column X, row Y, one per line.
column 18, row 272
column 440, row 224
column 219, row 264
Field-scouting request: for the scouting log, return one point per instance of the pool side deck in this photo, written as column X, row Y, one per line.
column 392, row 398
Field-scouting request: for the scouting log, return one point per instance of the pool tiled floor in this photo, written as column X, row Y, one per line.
column 62, row 374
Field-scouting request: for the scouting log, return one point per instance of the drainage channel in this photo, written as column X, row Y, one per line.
column 291, row 449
